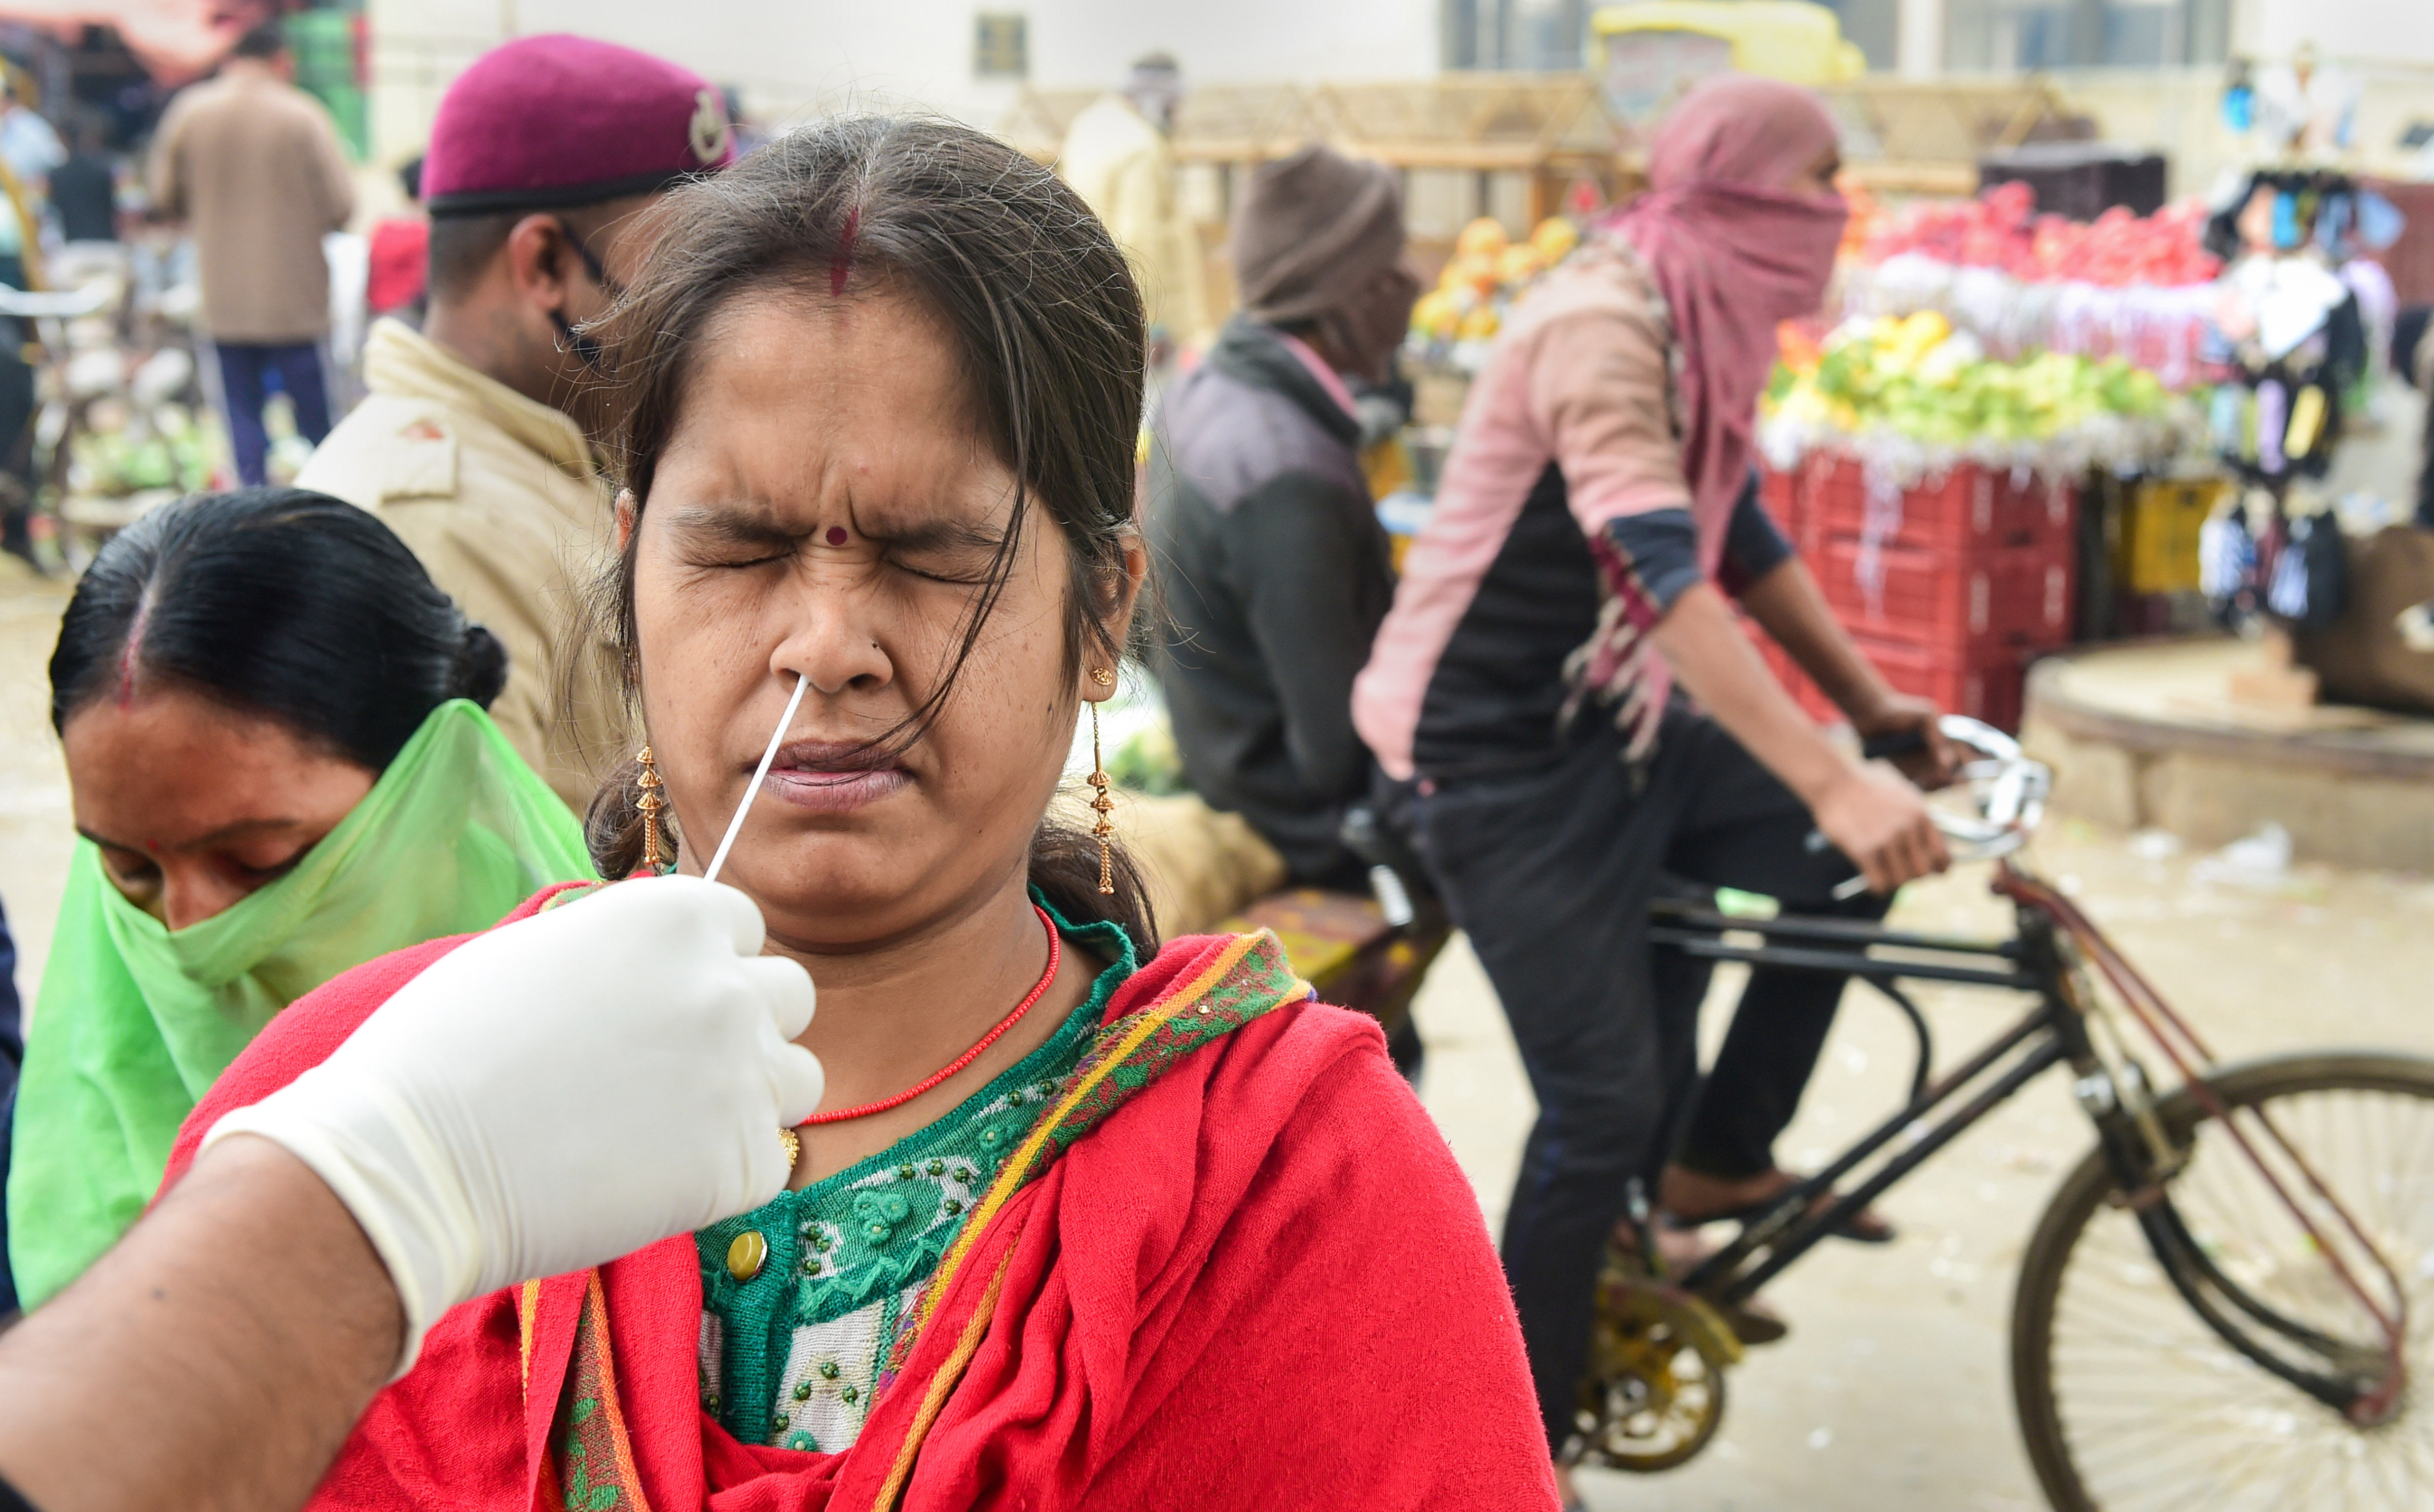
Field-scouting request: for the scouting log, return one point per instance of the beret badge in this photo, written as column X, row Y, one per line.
column 708, row 133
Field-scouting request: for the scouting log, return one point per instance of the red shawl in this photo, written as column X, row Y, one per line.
column 1239, row 1268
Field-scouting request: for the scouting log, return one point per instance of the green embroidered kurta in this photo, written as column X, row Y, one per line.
column 791, row 1356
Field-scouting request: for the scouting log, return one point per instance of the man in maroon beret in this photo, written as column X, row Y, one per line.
column 472, row 445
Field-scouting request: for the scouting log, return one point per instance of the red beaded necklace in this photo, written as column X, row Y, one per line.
column 1054, row 954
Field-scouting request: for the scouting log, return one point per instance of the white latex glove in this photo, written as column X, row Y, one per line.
column 559, row 1093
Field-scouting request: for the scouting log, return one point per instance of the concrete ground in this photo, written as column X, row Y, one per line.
column 35, row 831
column 1892, row 1392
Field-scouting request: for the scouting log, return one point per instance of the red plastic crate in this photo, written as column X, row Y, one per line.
column 1781, row 494
column 1967, row 510
column 1971, row 606
column 1991, row 689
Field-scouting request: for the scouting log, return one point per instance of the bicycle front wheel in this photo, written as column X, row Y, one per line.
column 2128, row 1400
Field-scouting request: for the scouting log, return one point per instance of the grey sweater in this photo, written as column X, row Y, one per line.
column 1276, row 575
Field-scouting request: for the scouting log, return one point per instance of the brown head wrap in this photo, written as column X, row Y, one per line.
column 1319, row 240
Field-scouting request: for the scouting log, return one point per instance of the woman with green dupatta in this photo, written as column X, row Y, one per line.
column 282, row 768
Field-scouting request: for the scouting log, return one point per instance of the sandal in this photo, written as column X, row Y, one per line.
column 1865, row 1227
column 1752, row 1321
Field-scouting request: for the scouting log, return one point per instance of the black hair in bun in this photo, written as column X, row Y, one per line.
column 481, row 665
column 280, row 601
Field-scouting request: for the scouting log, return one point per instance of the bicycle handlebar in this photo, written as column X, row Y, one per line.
column 2011, row 793
column 2012, row 800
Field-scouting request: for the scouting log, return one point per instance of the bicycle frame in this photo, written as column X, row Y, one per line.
column 2363, row 1385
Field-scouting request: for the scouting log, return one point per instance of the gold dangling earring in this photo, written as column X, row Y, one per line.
column 1100, row 801
column 654, row 858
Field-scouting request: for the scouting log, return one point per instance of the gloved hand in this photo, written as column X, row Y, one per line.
column 559, row 1093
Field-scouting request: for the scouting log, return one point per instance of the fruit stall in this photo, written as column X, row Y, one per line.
column 1995, row 451
column 1512, row 148
column 2004, row 438
column 1455, row 322
column 1933, row 489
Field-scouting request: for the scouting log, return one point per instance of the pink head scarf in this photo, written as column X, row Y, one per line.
column 1734, row 252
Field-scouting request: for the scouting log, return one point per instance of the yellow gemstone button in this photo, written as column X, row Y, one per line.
column 746, row 1257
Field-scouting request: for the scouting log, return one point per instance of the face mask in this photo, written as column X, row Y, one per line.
column 1371, row 326
column 135, row 1020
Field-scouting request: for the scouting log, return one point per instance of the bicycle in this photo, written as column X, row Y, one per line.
column 2212, row 1313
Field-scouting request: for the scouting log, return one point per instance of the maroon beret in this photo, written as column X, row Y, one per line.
column 556, row 121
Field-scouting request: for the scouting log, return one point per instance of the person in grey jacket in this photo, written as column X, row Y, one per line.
column 1277, row 569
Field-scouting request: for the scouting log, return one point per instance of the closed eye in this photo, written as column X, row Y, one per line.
column 947, row 551
column 726, row 540
column 261, row 875
column 957, row 576
column 130, row 867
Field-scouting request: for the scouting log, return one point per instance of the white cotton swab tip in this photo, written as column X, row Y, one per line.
column 759, row 774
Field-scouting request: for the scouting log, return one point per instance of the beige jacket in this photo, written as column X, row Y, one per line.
column 502, row 500
column 1124, row 169
column 254, row 166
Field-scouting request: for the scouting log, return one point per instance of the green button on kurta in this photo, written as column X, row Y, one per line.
column 746, row 1257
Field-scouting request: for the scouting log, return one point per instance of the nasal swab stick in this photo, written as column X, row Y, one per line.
column 735, row 825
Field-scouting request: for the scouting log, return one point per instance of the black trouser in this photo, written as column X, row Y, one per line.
column 1550, row 873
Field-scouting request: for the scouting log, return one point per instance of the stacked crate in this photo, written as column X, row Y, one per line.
column 1949, row 587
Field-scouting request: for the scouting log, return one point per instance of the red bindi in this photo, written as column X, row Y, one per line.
column 837, row 535
column 841, row 266
column 128, row 652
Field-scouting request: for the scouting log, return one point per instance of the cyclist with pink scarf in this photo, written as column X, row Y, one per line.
column 1596, row 514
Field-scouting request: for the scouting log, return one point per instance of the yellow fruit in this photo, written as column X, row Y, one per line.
column 1519, row 264
column 1480, row 325
column 1434, row 316
column 1553, row 238
column 1483, row 237
column 1481, row 275
column 1917, row 332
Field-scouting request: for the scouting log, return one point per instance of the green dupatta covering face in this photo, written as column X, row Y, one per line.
column 135, row 1022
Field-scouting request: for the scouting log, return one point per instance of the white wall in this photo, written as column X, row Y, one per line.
column 792, row 56
column 2383, row 31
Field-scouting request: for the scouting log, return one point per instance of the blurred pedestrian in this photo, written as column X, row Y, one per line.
column 2412, row 358
column 1280, row 570
column 17, row 390
column 401, row 254
column 281, row 769
column 1599, row 504
column 84, row 189
column 1118, row 158
column 28, row 143
column 471, row 444
column 253, row 165
column 1261, row 512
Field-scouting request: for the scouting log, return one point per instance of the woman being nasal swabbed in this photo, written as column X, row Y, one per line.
column 1084, row 1219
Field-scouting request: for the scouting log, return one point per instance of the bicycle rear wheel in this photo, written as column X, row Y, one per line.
column 2128, row 1400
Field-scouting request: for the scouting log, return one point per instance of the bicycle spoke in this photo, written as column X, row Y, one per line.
column 2155, row 1410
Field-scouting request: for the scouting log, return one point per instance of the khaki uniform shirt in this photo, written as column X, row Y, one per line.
column 502, row 501
column 1124, row 169
column 253, row 165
